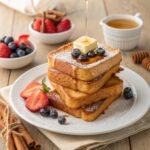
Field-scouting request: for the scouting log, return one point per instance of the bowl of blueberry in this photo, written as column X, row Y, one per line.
column 16, row 53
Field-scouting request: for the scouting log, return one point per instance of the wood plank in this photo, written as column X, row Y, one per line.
column 94, row 17
column 5, row 29
column 141, row 140
column 121, row 145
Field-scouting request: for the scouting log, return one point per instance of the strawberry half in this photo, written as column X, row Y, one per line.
column 37, row 24
column 50, row 26
column 29, row 89
column 37, row 100
column 4, row 51
column 63, row 25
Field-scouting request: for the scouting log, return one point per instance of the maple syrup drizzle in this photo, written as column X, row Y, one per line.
column 90, row 60
column 86, row 16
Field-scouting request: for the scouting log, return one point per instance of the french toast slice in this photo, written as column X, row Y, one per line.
column 88, row 87
column 62, row 60
column 87, row 113
column 76, row 99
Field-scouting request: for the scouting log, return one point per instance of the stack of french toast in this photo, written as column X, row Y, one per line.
column 83, row 74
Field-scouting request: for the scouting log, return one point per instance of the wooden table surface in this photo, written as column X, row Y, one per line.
column 14, row 23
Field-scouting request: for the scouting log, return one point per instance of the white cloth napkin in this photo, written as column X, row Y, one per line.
column 30, row 7
column 68, row 142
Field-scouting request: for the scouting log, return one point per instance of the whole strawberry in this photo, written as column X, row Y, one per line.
column 37, row 24
column 4, row 51
column 50, row 26
column 63, row 25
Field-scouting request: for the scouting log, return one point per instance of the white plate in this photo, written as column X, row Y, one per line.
column 120, row 114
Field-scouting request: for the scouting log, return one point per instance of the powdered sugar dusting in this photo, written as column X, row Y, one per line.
column 66, row 57
column 93, row 107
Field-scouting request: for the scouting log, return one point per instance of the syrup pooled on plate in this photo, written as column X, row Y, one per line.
column 122, row 23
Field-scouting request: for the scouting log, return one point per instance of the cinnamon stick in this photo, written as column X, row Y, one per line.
column 54, row 15
column 19, row 142
column 43, row 22
column 2, row 107
column 51, row 16
column 27, row 137
column 24, row 132
column 1, row 124
column 48, row 16
column 19, row 138
column 56, row 12
column 11, row 144
column 37, row 147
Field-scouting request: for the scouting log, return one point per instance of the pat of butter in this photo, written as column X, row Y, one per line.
column 85, row 44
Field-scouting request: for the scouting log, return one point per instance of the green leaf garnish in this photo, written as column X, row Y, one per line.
column 45, row 88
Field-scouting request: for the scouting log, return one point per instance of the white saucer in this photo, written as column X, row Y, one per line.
column 120, row 114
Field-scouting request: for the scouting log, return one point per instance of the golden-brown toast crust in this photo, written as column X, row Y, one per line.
column 78, row 72
column 76, row 99
column 88, row 87
column 89, row 113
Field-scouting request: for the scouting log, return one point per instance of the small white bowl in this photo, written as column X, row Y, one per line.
column 51, row 38
column 16, row 63
column 125, row 39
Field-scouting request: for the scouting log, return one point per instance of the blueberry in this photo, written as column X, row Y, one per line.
column 13, row 55
column 75, row 53
column 100, row 51
column 20, row 52
column 61, row 120
column 128, row 93
column 12, row 46
column 17, row 50
column 127, row 89
column 91, row 54
column 2, row 39
column 53, row 114
column 22, row 46
column 44, row 112
column 8, row 39
column 82, row 57
column 28, row 50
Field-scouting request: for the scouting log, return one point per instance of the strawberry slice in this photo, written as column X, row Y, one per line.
column 37, row 100
column 29, row 89
column 24, row 39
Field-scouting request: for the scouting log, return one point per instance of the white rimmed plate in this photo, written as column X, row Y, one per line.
column 120, row 114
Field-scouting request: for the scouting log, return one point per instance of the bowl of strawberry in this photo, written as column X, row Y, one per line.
column 16, row 53
column 51, row 32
